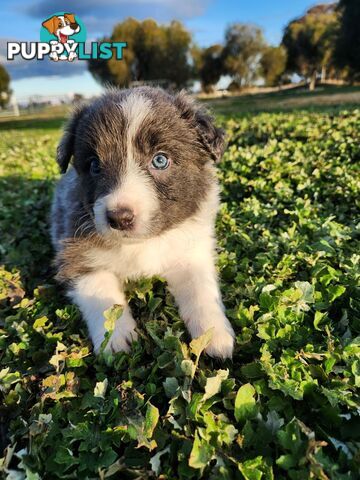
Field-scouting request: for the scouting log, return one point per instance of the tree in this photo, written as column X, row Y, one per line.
column 348, row 43
column 243, row 46
column 208, row 65
column 273, row 64
column 154, row 52
column 5, row 91
column 310, row 42
column 177, row 54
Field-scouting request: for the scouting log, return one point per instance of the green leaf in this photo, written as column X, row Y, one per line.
column 188, row 367
column 171, row 386
column 245, row 404
column 335, row 291
column 307, row 291
column 201, row 453
column 111, row 316
column 287, row 461
column 213, row 384
column 319, row 317
column 40, row 323
column 151, row 420
column 65, row 456
column 355, row 369
column 100, row 388
column 197, row 345
column 8, row 378
column 255, row 469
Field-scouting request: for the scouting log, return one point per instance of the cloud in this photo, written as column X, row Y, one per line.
column 100, row 17
column 20, row 68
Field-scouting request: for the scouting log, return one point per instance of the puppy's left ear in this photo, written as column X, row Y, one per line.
column 70, row 17
column 211, row 137
column 65, row 149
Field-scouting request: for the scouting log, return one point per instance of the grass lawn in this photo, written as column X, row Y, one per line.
column 324, row 98
column 286, row 406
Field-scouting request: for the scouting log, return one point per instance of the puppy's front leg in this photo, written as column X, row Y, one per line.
column 96, row 292
column 197, row 294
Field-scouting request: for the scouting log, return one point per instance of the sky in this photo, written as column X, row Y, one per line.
column 206, row 19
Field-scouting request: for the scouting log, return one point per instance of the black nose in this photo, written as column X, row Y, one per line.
column 74, row 26
column 121, row 219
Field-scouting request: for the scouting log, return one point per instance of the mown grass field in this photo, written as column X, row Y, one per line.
column 324, row 97
column 287, row 406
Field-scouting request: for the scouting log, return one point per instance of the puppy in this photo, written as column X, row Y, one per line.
column 140, row 199
column 62, row 26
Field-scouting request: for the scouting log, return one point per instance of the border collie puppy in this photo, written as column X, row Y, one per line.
column 140, row 199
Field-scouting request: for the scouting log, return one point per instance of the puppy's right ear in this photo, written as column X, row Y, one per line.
column 65, row 149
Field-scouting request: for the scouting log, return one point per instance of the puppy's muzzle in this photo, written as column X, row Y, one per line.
column 121, row 218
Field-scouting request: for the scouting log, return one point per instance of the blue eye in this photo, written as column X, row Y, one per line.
column 160, row 161
column 95, row 168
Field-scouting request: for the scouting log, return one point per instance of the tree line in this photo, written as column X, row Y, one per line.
column 325, row 42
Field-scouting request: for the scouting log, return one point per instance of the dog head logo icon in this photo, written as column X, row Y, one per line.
column 59, row 29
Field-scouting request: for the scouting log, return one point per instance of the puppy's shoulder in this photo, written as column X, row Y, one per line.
column 66, row 208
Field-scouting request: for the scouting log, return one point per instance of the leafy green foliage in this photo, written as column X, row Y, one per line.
column 287, row 406
column 310, row 41
column 273, row 64
column 154, row 52
column 208, row 65
column 243, row 45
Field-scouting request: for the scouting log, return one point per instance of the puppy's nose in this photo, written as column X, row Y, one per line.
column 74, row 26
column 121, row 218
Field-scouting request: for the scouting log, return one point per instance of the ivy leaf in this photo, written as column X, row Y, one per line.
column 197, row 345
column 319, row 317
column 213, row 384
column 100, row 388
column 201, row 453
column 245, row 404
column 151, row 420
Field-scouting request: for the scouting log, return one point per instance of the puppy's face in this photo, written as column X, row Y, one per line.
column 144, row 159
column 62, row 26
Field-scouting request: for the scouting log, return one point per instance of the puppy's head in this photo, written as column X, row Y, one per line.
column 65, row 25
column 144, row 158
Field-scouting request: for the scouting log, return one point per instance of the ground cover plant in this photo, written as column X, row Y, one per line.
column 287, row 406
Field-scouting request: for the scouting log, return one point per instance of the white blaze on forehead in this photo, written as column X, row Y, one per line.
column 136, row 108
column 135, row 189
column 62, row 18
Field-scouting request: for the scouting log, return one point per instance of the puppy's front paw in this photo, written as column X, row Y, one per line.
column 122, row 337
column 54, row 56
column 72, row 56
column 221, row 344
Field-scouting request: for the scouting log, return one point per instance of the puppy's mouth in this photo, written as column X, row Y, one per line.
column 63, row 38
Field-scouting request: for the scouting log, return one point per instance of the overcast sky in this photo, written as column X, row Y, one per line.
column 206, row 19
